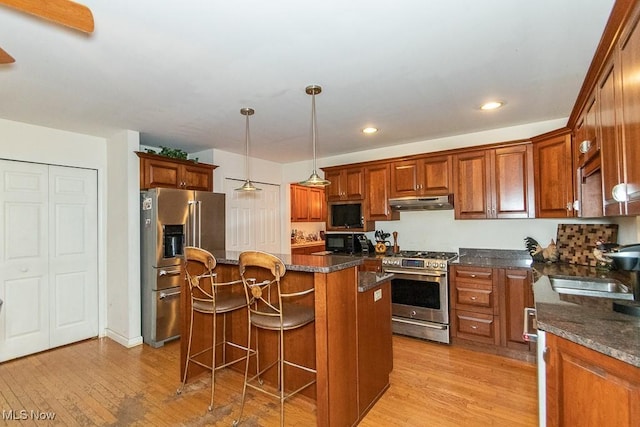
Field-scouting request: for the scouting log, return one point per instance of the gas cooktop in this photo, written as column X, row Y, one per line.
column 446, row 256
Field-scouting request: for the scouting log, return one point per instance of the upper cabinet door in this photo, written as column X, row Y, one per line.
column 346, row 183
column 494, row 183
column 472, row 185
column 377, row 179
column 513, row 193
column 422, row 176
column 611, row 158
column 630, row 106
column 553, row 175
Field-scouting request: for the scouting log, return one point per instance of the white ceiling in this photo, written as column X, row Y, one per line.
column 179, row 71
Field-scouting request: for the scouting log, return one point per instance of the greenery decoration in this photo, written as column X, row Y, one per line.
column 174, row 153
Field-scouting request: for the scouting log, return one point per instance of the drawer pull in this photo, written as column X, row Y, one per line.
column 473, row 298
column 474, row 327
column 473, row 275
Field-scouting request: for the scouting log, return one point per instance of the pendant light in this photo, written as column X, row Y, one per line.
column 248, row 185
column 314, row 180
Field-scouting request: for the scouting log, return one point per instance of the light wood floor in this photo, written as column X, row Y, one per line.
column 99, row 382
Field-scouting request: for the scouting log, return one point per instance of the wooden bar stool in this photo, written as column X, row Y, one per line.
column 273, row 310
column 213, row 298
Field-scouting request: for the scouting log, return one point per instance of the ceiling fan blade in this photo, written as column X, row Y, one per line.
column 5, row 58
column 63, row 12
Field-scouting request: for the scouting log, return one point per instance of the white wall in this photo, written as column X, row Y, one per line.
column 30, row 143
column 123, row 239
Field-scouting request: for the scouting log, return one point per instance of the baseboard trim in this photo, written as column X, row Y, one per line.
column 124, row 341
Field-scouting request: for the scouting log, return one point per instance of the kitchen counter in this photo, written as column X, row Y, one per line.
column 494, row 258
column 588, row 321
column 306, row 263
column 351, row 309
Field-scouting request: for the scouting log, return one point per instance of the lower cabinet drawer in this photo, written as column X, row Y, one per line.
column 476, row 327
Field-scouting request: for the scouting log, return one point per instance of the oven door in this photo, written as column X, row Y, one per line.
column 420, row 295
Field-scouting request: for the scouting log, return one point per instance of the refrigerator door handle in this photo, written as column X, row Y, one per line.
column 191, row 224
column 199, row 224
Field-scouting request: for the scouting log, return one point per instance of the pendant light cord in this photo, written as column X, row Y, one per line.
column 314, row 128
column 247, row 148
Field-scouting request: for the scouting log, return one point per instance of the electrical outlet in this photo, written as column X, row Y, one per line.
column 377, row 295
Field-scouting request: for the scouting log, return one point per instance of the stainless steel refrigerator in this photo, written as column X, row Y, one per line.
column 170, row 220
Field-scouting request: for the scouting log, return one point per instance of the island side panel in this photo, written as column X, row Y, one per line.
column 375, row 345
column 336, row 347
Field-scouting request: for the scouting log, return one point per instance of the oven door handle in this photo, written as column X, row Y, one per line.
column 416, row 323
column 413, row 273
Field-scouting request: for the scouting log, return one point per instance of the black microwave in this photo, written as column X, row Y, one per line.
column 345, row 215
column 346, row 243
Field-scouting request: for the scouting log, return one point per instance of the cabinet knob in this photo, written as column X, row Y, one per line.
column 473, row 275
column 619, row 193
column 584, row 146
column 545, row 355
column 474, row 327
column 473, row 298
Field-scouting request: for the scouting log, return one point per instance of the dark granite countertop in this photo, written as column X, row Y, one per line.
column 494, row 258
column 588, row 321
column 370, row 279
column 307, row 263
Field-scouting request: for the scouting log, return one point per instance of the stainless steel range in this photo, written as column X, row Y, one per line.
column 420, row 293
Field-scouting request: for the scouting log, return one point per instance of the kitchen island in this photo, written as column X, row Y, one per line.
column 349, row 344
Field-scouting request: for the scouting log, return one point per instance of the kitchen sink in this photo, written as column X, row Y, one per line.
column 590, row 286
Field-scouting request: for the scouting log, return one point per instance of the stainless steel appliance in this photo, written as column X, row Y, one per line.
column 346, row 243
column 170, row 220
column 420, row 293
column 422, row 203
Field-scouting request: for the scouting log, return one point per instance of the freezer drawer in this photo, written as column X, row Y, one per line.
column 168, row 277
column 167, row 315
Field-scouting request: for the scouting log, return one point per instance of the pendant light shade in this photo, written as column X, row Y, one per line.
column 314, row 180
column 248, row 185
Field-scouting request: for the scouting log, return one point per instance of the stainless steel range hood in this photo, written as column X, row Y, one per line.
column 422, row 203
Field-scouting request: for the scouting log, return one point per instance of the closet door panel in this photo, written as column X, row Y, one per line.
column 24, row 259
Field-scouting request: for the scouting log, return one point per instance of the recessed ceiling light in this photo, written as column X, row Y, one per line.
column 369, row 130
column 491, row 105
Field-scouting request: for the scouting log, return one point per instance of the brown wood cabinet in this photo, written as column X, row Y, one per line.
column 347, row 183
column 516, row 292
column 487, row 308
column 375, row 347
column 553, row 174
column 607, row 114
column 611, row 166
column 423, row 176
column 494, row 183
column 307, row 204
column 629, row 60
column 307, row 250
column 474, row 304
column 377, row 181
column 161, row 171
column 588, row 388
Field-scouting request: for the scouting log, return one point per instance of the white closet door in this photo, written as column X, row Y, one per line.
column 24, row 259
column 253, row 219
column 48, row 257
column 73, row 244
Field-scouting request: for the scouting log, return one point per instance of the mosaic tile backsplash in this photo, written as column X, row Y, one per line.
column 576, row 242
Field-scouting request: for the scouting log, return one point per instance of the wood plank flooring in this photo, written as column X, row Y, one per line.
column 100, row 383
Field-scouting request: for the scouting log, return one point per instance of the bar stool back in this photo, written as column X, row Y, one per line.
column 272, row 309
column 210, row 297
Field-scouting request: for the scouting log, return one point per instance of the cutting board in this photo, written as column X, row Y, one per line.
column 576, row 242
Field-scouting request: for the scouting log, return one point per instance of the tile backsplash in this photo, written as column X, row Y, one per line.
column 576, row 242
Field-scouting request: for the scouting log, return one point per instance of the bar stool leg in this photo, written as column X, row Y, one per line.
column 246, row 370
column 213, row 362
column 186, row 363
